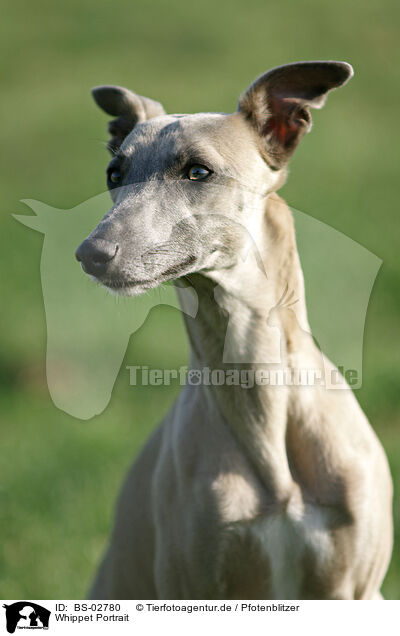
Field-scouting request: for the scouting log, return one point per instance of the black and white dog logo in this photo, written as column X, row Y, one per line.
column 26, row 615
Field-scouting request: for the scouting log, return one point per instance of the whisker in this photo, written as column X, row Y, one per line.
column 289, row 297
column 283, row 296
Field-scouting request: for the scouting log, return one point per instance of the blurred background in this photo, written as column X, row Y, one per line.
column 59, row 476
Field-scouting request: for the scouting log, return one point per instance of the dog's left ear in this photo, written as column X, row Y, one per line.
column 277, row 103
column 129, row 108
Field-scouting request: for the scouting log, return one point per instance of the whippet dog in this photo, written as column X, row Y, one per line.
column 268, row 492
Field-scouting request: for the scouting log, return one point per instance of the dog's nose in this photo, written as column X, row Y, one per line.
column 95, row 255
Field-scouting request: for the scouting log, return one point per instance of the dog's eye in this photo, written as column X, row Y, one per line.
column 114, row 176
column 197, row 173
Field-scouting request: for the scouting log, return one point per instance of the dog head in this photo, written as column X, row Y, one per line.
column 188, row 190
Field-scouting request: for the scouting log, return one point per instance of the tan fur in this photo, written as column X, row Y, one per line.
column 270, row 492
column 242, row 480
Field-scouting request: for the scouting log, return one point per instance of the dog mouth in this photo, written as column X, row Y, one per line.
column 124, row 286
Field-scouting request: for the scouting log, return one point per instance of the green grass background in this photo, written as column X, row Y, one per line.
column 59, row 476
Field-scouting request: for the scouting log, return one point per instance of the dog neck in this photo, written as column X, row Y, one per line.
column 241, row 327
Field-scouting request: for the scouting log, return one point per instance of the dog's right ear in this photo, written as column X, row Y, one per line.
column 129, row 108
